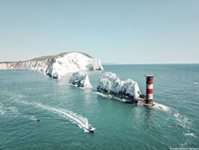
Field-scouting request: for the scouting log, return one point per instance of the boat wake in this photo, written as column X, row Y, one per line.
column 182, row 120
column 185, row 123
column 190, row 134
column 9, row 111
column 196, row 82
column 33, row 118
column 73, row 117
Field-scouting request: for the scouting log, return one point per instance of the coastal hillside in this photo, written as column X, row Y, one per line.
column 57, row 65
column 12, row 65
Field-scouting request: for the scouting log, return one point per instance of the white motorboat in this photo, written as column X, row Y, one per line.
column 89, row 128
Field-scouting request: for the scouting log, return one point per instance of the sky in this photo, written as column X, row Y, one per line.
column 115, row 31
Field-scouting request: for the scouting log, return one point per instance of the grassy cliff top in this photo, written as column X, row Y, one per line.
column 56, row 56
column 48, row 57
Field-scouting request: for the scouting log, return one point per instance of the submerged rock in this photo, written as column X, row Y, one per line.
column 111, row 84
column 80, row 80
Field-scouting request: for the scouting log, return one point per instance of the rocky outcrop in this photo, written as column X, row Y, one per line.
column 58, row 65
column 80, row 80
column 109, row 83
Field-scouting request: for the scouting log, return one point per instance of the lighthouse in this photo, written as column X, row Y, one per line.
column 149, row 89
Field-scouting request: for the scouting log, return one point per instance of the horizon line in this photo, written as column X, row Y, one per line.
column 108, row 64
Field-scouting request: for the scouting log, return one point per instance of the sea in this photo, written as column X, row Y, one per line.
column 63, row 110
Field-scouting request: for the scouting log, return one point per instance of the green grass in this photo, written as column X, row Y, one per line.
column 47, row 57
column 56, row 56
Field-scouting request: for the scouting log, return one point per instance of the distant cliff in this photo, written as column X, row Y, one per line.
column 12, row 65
column 57, row 65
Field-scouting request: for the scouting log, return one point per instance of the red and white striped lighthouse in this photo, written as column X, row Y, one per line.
column 149, row 89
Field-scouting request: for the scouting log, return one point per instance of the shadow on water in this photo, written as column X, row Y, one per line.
column 139, row 113
column 149, row 113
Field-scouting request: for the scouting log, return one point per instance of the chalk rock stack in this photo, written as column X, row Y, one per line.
column 80, row 80
column 109, row 83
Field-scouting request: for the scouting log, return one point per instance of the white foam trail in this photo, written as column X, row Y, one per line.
column 161, row 107
column 73, row 117
column 195, row 82
column 32, row 118
column 13, row 110
column 9, row 111
column 190, row 134
column 79, row 120
column 183, row 120
column 23, row 102
column 185, row 123
column 16, row 97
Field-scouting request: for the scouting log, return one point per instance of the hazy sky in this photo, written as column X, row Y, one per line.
column 115, row 31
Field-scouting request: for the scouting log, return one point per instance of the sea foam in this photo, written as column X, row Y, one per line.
column 73, row 117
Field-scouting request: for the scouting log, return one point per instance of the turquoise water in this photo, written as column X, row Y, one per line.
column 63, row 110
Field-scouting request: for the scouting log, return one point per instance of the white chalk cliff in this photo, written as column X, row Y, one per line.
column 12, row 65
column 109, row 83
column 80, row 80
column 58, row 65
